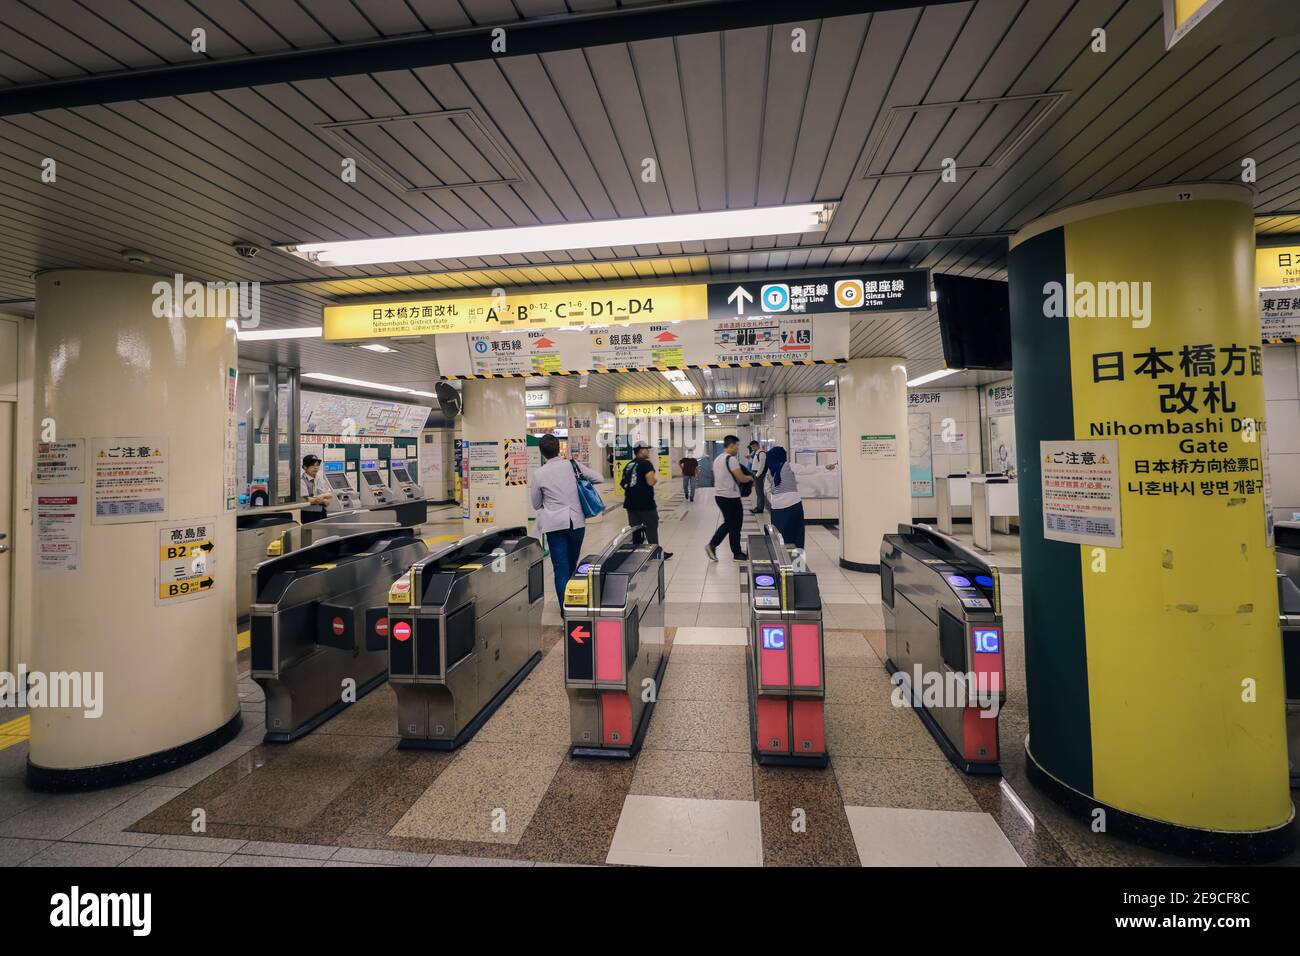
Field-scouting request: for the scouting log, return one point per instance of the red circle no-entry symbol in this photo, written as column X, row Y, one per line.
column 402, row 631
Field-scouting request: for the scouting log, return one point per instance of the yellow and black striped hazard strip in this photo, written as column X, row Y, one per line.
column 1290, row 341
column 505, row 457
column 788, row 363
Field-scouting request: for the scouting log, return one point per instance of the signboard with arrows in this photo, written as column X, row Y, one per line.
column 187, row 561
column 869, row 292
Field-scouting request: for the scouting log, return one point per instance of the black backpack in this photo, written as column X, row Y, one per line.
column 745, row 487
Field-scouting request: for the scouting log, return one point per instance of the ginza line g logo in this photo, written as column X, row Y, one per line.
column 75, row 908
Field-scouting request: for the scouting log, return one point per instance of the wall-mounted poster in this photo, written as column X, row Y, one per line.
column 920, row 454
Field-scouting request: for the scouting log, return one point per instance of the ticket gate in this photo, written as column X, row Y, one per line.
column 464, row 629
column 786, row 661
column 1286, row 536
column 253, row 533
column 333, row 525
column 317, row 622
column 614, row 657
column 943, row 637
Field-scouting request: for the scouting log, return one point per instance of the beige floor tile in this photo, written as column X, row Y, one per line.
column 888, row 836
column 487, row 794
column 700, row 725
column 674, row 831
column 705, row 776
column 894, row 782
column 695, row 680
column 732, row 636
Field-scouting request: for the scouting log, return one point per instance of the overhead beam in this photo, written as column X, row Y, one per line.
column 523, row 37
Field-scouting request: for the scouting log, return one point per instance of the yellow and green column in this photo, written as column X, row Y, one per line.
column 1153, row 658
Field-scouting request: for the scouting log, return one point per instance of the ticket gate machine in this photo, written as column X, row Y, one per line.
column 296, row 537
column 401, row 483
column 464, row 630
column 786, row 661
column 254, row 532
column 943, row 636
column 614, row 657
column 317, row 620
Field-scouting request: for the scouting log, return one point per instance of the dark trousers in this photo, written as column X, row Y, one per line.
column 565, row 548
column 648, row 518
column 732, row 517
column 759, row 493
column 789, row 521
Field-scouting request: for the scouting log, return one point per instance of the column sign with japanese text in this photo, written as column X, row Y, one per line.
column 130, row 479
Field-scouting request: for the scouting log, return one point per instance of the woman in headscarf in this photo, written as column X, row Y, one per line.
column 783, row 497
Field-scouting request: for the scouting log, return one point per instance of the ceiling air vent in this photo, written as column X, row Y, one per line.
column 977, row 134
column 429, row 152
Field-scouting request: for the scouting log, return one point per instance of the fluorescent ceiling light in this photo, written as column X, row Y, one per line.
column 358, row 383
column 680, row 382
column 933, row 376
column 647, row 230
column 264, row 335
column 376, row 347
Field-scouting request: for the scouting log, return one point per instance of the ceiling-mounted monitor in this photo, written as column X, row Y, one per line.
column 975, row 322
column 449, row 399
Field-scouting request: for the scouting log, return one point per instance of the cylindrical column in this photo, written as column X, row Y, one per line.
column 1153, row 665
column 496, row 454
column 145, row 405
column 875, row 485
column 583, row 427
column 780, row 423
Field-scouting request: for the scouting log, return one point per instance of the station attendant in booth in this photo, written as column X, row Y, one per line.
column 553, row 491
column 313, row 489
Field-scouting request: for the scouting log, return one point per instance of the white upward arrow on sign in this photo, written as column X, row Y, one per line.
column 740, row 296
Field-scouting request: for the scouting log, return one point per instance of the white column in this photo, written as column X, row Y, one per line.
column 108, row 372
column 494, row 418
column 875, row 487
column 780, row 423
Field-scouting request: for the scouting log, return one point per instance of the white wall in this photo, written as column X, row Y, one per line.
column 1282, row 413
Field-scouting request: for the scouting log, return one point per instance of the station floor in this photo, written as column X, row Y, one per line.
column 345, row 796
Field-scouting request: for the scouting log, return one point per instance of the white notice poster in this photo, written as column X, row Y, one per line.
column 130, row 479
column 58, row 528
column 230, row 448
column 1081, row 492
column 483, row 459
column 61, row 461
column 878, row 446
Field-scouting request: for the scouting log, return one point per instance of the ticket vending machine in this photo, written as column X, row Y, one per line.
column 786, row 658
column 614, row 658
column 374, row 489
column 943, row 637
column 400, row 483
column 345, row 498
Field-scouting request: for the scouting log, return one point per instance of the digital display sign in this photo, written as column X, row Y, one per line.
column 764, row 580
column 773, row 636
column 988, row 640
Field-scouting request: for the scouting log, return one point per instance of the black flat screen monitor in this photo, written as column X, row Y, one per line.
column 402, row 477
column 372, row 477
column 975, row 322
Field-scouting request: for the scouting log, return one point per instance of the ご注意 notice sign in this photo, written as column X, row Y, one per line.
column 130, row 479
column 187, row 560
column 1081, row 492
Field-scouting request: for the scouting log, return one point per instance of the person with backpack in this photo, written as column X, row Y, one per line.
column 731, row 482
column 555, row 496
column 638, row 483
column 785, row 498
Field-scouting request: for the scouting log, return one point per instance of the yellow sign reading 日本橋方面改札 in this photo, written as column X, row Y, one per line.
column 570, row 307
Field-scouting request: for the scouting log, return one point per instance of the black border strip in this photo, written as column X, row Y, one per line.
column 58, row 780
column 1220, row 846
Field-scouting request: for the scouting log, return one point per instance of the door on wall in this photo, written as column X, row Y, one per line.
column 6, row 533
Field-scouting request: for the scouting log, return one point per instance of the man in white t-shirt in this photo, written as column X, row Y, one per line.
column 728, row 476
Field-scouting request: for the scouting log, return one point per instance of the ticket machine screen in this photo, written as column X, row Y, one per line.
column 339, row 482
column 372, row 477
column 401, row 475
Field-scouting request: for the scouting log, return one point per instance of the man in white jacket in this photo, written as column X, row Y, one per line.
column 553, row 491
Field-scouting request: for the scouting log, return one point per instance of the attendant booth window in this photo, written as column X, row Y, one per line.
column 269, row 402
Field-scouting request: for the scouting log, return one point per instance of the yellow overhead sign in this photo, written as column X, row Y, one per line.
column 657, row 409
column 508, row 312
column 1277, row 266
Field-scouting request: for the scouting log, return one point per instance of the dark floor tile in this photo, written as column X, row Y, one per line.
column 825, row 838
column 374, row 715
column 576, row 820
column 1035, row 844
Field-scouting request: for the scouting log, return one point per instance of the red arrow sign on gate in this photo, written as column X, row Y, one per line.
column 579, row 633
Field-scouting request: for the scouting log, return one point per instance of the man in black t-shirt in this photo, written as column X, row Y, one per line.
column 638, row 482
